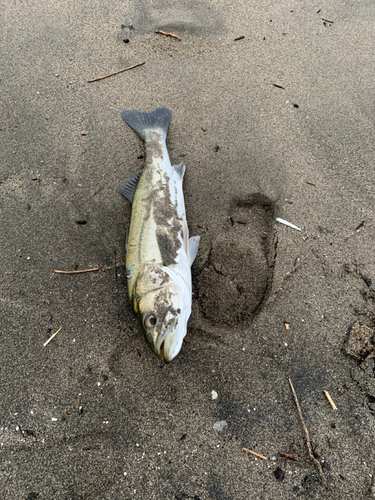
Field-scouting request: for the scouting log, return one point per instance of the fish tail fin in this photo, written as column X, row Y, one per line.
column 142, row 122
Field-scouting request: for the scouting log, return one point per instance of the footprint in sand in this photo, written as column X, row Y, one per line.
column 234, row 282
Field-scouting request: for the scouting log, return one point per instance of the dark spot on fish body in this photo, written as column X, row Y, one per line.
column 167, row 247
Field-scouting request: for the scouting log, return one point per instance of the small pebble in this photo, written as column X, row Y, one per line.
column 219, row 426
column 126, row 40
column 54, row 419
column 214, row 394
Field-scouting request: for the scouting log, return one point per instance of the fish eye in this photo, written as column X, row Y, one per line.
column 150, row 321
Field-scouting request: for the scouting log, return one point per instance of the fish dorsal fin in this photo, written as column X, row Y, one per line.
column 193, row 247
column 128, row 186
column 180, row 169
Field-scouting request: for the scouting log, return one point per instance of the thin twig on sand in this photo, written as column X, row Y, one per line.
column 116, row 73
column 51, row 337
column 78, row 272
column 255, row 453
column 168, row 34
column 114, row 264
column 317, row 463
column 330, row 400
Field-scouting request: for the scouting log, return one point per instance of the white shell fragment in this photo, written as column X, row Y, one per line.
column 286, row 223
column 214, row 394
column 219, row 426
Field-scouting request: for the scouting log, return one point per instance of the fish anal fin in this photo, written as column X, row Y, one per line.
column 128, row 186
column 193, row 248
column 180, row 169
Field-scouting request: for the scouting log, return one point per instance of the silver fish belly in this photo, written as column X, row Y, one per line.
column 159, row 252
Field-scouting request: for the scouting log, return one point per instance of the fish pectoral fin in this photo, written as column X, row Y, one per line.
column 180, row 169
column 193, row 248
column 128, row 186
column 167, row 247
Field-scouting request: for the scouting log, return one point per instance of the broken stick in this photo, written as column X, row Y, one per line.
column 168, row 34
column 330, row 400
column 51, row 337
column 116, row 73
column 255, row 453
column 317, row 463
column 78, row 272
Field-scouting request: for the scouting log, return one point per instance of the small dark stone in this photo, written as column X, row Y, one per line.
column 181, row 496
column 126, row 40
column 140, row 157
column 296, row 105
column 309, row 480
column 279, row 474
column 333, row 426
column 183, row 437
column 28, row 206
column 32, row 496
column 28, row 432
column 81, row 221
column 217, row 148
column 196, row 497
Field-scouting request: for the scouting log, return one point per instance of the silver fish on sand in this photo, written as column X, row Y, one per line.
column 159, row 253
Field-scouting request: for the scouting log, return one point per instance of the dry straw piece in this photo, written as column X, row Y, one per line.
column 330, row 400
column 116, row 73
column 51, row 337
column 255, row 453
column 78, row 272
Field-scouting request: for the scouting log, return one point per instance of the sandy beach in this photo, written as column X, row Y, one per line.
column 276, row 124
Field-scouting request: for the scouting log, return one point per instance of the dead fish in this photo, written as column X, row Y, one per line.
column 159, row 253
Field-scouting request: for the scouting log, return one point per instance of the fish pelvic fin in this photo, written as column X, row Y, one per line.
column 142, row 122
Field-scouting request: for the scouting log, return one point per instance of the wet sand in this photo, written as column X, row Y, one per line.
column 278, row 124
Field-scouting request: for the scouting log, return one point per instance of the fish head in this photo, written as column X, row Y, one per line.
column 163, row 314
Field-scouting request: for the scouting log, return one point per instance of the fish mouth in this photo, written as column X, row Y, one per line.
column 168, row 346
column 164, row 347
column 161, row 349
